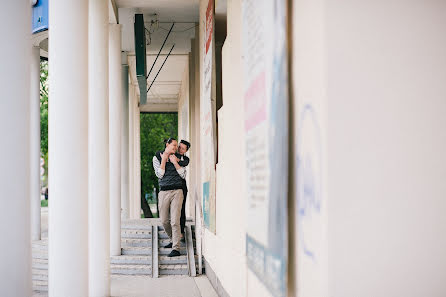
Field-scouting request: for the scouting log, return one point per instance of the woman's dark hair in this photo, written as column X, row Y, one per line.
column 169, row 140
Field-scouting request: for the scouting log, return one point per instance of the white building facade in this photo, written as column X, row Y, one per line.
column 348, row 98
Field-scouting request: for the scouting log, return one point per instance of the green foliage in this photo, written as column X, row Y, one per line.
column 44, row 203
column 44, row 115
column 154, row 129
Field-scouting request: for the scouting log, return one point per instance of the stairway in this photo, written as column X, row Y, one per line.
column 136, row 249
column 40, row 265
column 143, row 242
column 142, row 253
column 174, row 265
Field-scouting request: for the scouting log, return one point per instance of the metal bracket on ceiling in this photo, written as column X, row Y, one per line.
column 161, row 68
column 165, row 39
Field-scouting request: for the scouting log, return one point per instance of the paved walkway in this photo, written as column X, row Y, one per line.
column 139, row 286
column 165, row 286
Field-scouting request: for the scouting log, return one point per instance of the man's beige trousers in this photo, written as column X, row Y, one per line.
column 170, row 203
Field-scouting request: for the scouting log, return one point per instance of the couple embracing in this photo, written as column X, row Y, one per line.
column 170, row 168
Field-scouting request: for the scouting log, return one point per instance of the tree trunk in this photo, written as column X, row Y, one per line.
column 146, row 208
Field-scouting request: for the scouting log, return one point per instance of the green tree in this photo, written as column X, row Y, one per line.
column 154, row 129
column 44, row 115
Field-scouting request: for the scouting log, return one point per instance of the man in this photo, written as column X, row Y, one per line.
column 183, row 148
column 170, row 177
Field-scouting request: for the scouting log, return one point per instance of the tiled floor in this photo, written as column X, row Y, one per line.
column 165, row 286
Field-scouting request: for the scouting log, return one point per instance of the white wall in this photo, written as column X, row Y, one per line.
column 184, row 123
column 183, row 106
column 190, row 204
column 375, row 72
column 387, row 106
column 195, row 185
column 308, row 273
column 225, row 251
column 373, row 75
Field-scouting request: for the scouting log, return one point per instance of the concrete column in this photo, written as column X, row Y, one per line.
column 125, row 142
column 68, row 147
column 197, row 148
column 15, row 250
column 135, row 202
column 132, row 198
column 137, row 196
column 98, row 144
column 35, row 144
column 115, row 138
column 131, row 151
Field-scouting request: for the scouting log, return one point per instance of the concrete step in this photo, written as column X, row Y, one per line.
column 41, row 286
column 164, row 251
column 188, row 223
column 136, row 234
column 41, row 245
column 136, row 242
column 142, row 224
column 179, row 269
column 40, row 264
column 131, row 260
column 164, row 260
column 136, row 227
column 131, row 269
column 39, row 275
column 162, row 235
column 163, row 242
column 40, row 255
column 143, row 251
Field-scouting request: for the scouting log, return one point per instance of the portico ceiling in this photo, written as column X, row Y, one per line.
column 168, row 10
column 163, row 95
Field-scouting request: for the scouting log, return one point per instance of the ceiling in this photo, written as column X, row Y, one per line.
column 163, row 95
column 168, row 10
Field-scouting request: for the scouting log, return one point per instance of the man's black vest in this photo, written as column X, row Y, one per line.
column 171, row 179
column 184, row 161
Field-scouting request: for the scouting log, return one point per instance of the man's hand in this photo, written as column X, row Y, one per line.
column 164, row 156
column 173, row 159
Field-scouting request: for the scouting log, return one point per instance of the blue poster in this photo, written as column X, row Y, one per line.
column 206, row 205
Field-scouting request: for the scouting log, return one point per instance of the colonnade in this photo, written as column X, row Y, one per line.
column 89, row 148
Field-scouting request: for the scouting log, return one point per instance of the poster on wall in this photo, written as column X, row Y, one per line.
column 206, row 120
column 266, row 127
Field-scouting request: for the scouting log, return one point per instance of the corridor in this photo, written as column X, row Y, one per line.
column 314, row 132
